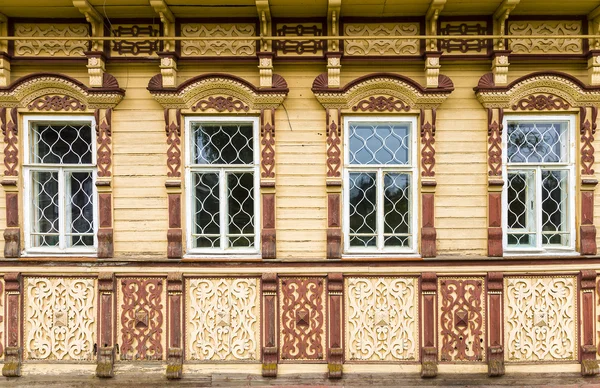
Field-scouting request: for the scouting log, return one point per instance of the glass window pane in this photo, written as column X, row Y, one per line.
column 554, row 207
column 240, row 187
column 223, row 143
column 521, row 209
column 363, row 205
column 80, row 209
column 62, row 143
column 206, row 211
column 379, row 143
column 45, row 231
column 396, row 209
column 537, row 142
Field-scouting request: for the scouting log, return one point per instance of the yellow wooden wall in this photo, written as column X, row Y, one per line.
column 140, row 199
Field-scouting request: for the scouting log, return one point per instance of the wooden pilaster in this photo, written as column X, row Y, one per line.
column 269, row 350
column 495, row 182
column 589, row 364
column 104, row 181
column 267, row 183
column 106, row 348
column 587, row 229
column 10, row 131
column 175, row 314
column 428, row 183
column 13, row 355
column 334, row 183
column 428, row 303
column 335, row 288
column 173, row 183
column 495, row 324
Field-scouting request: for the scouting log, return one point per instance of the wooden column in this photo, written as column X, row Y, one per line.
column 106, row 331
column 334, row 183
column 267, row 183
column 269, row 318
column 173, row 183
column 13, row 355
column 495, row 182
column 10, row 181
column 104, row 181
column 428, row 302
column 335, row 288
column 175, row 323
column 587, row 229
column 495, row 354
column 589, row 364
column 428, row 183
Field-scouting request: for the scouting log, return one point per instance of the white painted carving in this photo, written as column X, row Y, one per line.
column 540, row 319
column 218, row 47
column 51, row 48
column 381, row 319
column 548, row 45
column 380, row 47
column 60, row 318
column 223, row 319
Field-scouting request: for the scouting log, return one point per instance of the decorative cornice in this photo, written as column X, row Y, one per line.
column 26, row 90
column 218, row 85
column 388, row 85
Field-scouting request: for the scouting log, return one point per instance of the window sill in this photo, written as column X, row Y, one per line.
column 384, row 256
column 540, row 254
column 222, row 257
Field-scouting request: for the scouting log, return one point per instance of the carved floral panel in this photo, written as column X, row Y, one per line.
column 302, row 319
column 461, row 318
column 381, row 319
column 381, row 47
column 60, row 318
column 548, row 45
column 214, row 48
column 50, row 48
column 223, row 319
column 141, row 318
column 540, row 319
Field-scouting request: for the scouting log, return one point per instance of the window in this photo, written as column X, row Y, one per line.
column 222, row 183
column 539, row 174
column 60, row 184
column 379, row 185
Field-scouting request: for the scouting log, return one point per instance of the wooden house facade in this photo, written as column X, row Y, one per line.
column 311, row 186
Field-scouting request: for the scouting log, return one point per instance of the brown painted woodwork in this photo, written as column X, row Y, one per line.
column 14, row 350
column 105, row 243
column 541, row 102
column 10, row 130
column 267, row 140
column 486, row 82
column 381, row 104
column 334, row 142
column 320, row 84
column 175, row 305
column 268, row 234
column 428, row 140
column 495, row 128
column 334, row 243
column 587, row 131
column 174, row 234
column 269, row 348
column 334, row 231
column 135, row 47
column 429, row 350
column 335, row 351
column 106, row 349
column 104, row 140
column 495, row 224
column 428, row 232
column 105, row 205
column 495, row 324
column 333, row 210
column 221, row 104
column 587, row 231
column 589, row 364
column 173, row 132
column 174, row 210
column 56, row 104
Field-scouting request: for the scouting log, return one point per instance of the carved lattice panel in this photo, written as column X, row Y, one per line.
column 381, row 319
column 223, row 319
column 312, row 46
column 548, row 45
column 215, row 48
column 302, row 319
column 60, row 318
column 461, row 318
column 141, row 306
column 50, row 47
column 135, row 48
column 540, row 319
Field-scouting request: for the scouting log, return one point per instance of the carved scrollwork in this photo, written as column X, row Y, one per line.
column 381, row 47
column 218, row 47
column 587, row 131
column 11, row 149
column 137, row 47
column 381, row 104
column 221, row 104
column 51, row 48
column 104, row 140
column 267, row 135
column 56, row 103
column 173, row 131
column 548, row 45
column 334, row 142
column 495, row 142
column 541, row 102
column 428, row 140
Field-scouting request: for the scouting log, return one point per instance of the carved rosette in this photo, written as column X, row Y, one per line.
column 223, row 319
column 302, row 319
column 141, row 318
column 60, row 318
column 381, row 319
column 541, row 319
column 461, row 317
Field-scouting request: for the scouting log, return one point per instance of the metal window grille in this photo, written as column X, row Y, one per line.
column 60, row 186
column 223, row 173
column 379, row 173
column 539, row 172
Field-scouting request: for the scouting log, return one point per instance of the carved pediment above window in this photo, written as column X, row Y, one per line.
column 56, row 104
column 541, row 102
column 221, row 104
column 381, row 104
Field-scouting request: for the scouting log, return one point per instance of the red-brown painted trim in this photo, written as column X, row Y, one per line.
column 495, row 224
column 268, row 233
column 587, row 230
column 495, row 287
column 486, row 84
column 428, row 232
column 174, row 325
column 269, row 345
column 14, row 351
column 12, row 210
column 155, row 84
column 335, row 351
column 429, row 349
column 111, row 85
column 320, row 83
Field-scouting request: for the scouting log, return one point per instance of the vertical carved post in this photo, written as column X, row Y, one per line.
column 500, row 66
column 265, row 69
column 334, row 184
column 168, row 68
column 589, row 364
column 335, row 288
column 495, row 182
column 428, row 184
column 10, row 131
column 14, row 351
column 587, row 230
column 106, row 348
column 173, row 183
column 593, row 66
column 495, row 324
column 175, row 346
column 269, row 297
column 96, row 67
column 267, row 183
column 104, row 182
column 4, row 68
column 428, row 300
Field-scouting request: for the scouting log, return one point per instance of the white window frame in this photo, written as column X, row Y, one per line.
column 569, row 166
column 29, row 167
column 213, row 168
column 413, row 170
